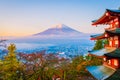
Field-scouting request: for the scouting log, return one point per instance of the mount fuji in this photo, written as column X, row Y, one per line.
column 59, row 30
column 55, row 33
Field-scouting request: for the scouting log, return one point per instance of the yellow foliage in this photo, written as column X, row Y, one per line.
column 10, row 65
column 81, row 66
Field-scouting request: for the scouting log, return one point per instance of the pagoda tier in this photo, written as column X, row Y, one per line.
column 113, row 54
column 106, row 34
column 99, row 36
column 100, row 72
column 114, row 76
column 104, row 73
column 110, row 16
column 113, row 32
column 113, row 36
column 101, row 52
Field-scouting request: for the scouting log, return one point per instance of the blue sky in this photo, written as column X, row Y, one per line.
column 26, row 17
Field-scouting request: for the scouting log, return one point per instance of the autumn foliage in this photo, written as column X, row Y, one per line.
column 42, row 66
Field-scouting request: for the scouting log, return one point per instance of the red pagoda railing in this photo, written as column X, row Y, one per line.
column 110, row 65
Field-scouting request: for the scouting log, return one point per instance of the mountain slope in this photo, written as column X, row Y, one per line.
column 60, row 29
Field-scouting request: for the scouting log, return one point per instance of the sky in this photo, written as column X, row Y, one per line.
column 27, row 17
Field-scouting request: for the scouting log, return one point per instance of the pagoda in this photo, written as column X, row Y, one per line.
column 110, row 70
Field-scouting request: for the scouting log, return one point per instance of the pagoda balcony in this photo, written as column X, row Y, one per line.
column 110, row 29
column 110, row 66
column 109, row 47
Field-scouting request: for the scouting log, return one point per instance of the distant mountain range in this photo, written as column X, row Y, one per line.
column 59, row 30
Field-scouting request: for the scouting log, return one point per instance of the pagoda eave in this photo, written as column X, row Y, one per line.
column 100, row 72
column 102, row 56
column 101, row 52
column 113, row 32
column 115, row 75
column 107, row 16
column 98, row 36
column 113, row 54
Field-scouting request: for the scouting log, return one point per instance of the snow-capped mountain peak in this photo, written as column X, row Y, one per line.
column 59, row 26
column 59, row 29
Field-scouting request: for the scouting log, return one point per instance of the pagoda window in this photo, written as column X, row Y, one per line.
column 111, row 25
column 116, row 42
column 110, row 43
column 109, row 62
column 116, row 24
column 116, row 62
column 104, row 59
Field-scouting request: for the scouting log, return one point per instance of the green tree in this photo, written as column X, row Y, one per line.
column 10, row 66
column 98, row 45
column 105, row 41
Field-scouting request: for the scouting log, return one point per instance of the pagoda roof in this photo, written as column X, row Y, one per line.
column 115, row 11
column 101, row 52
column 108, row 32
column 114, row 76
column 113, row 54
column 113, row 32
column 100, row 72
column 98, row 36
column 107, row 16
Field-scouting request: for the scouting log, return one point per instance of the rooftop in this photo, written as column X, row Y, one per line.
column 97, row 36
column 107, row 16
column 113, row 32
column 100, row 72
column 112, row 10
column 101, row 52
column 113, row 54
column 114, row 76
